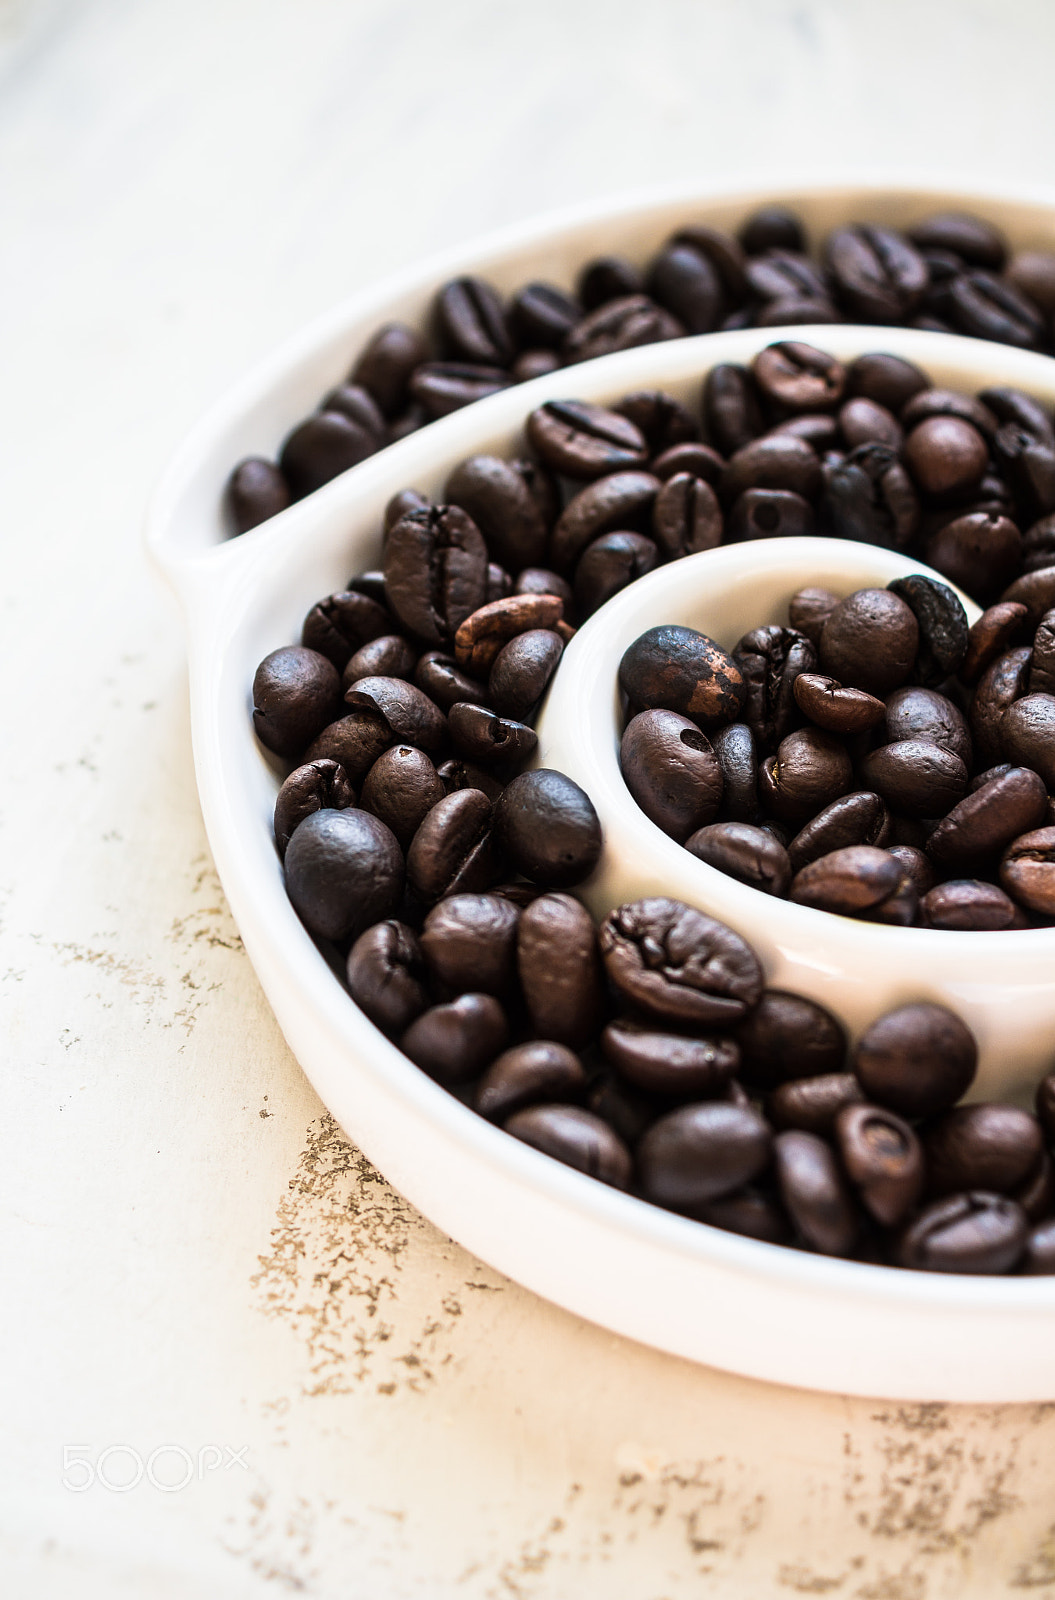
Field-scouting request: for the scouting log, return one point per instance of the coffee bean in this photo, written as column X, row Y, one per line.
column 542, row 315
column 746, row 853
column 337, row 626
column 321, row 448
column 385, row 365
column 609, row 564
column 677, row 669
column 585, row 441
column 390, row 656
column 522, row 671
column 360, row 407
column 834, row 707
column 946, row 456
column 441, row 387
column 812, row 1105
column 776, row 461
column 401, row 787
column 671, row 771
column 983, row 1146
column 797, row 377
column 435, row 571
column 731, row 412
column 482, row 736
column 772, row 228
column 386, row 976
column 663, row 420
column 454, row 1042
column 795, row 310
column 987, row 307
column 747, row 1211
column 547, row 827
column 869, row 497
column 969, row 905
column 735, row 748
column 344, row 870
column 849, row 882
column 669, row 1064
column 1027, row 871
column 701, row 1152
column 698, row 460
column 980, row 552
column 498, row 496
column 1028, row 465
column 622, row 500
column 865, row 422
column 883, row 1159
column 256, row 490
column 541, row 580
column 1014, row 405
column 1042, row 662
column 453, row 851
column 974, row 1232
column 1032, row 273
column 409, row 714
column 679, row 965
column 998, row 688
column 1028, row 735
column 917, row 1059
column 819, row 430
column 686, row 516
column 1035, row 590
column 472, row 323
column 439, row 676
column 296, row 692
column 815, row 1192
column 318, row 786
column 788, row 1036
column 1039, row 1255
column 985, row 822
column 915, row 777
column 887, row 380
column 577, row 1138
column 619, row 325
column 788, row 277
column 608, row 278
column 869, row 641
column 859, row 818
column 878, row 276
column 537, row 1071
column 809, row 609
column 483, row 635
column 810, row 770
column 923, row 714
column 942, row 625
column 915, row 865
column 991, row 636
column 560, row 970
column 684, row 280
column 769, row 514
column 469, row 944
column 534, row 364
column 965, row 235
column 355, row 741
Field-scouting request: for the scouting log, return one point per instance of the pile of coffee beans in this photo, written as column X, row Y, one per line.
column 951, row 273
column 874, row 758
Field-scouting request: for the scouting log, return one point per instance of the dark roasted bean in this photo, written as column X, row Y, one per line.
column 1028, row 465
column 987, row 307
column 671, row 771
column 355, row 741
column 788, row 1036
column 498, row 496
column 923, row 714
column 859, row 818
column 1028, row 735
column 815, row 1192
column 256, row 490
column 338, row 625
column 529, row 1074
column 385, row 366
column 560, row 970
column 1027, row 871
column 946, row 456
column 810, row 770
column 585, row 441
column 389, row 656
column 883, row 1159
column 472, row 323
column 699, row 460
column 809, row 610
column 962, row 234
column 973, row 1232
column 700, row 1152
column 542, row 580
column 982, row 1146
column 737, row 755
column 776, row 461
column 668, row 1063
column 609, row 564
column 663, row 420
column 812, row 1105
column 942, row 625
column 980, row 551
column 522, row 671
column 386, row 976
column 835, row 708
column 864, row 421
column 744, row 852
column 732, row 415
column 542, row 315
column 748, row 1211
column 481, row 735
column 772, row 228
column 917, row 1059
column 868, row 496
column 359, row 406
column 608, row 278
column 441, row 387
column 322, row 447
column 986, row 821
column 1000, row 685
column 887, row 380
column 401, row 787
column 318, row 786
column 453, row 851
column 769, row 514
column 797, row 377
column 578, row 1138
column 878, row 275
column 915, row 777
column 991, row 636
column 770, row 660
column 915, row 864
column 968, row 905
column 469, row 944
column 869, row 641
column 296, row 693
column 435, row 571
column 677, row 964
column 851, row 882
column 622, row 500
column 1035, row 590
column 482, row 635
column 440, row 677
column 1014, row 405
column 344, row 870
column 455, row 1041
column 619, row 325
column 686, row 516
column 678, row 669
column 787, row 276
column 684, row 280
column 409, row 714
column 1039, row 1256
column 548, row 829
column 820, row 431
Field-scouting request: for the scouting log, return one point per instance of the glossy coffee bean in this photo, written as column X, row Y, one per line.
column 547, row 828
column 684, row 280
column 812, row 1105
column 609, row 564
column 619, row 325
column 340, row 624
column 777, row 461
column 1000, row 685
column 985, row 822
column 390, row 656
column 769, row 514
column 963, row 234
column 664, row 420
column 924, row 716
column 359, row 406
column 469, row 943
column 401, row 788
column 453, row 851
column 385, row 365
column 781, row 276
column 734, row 746
column 771, row 228
column 886, row 380
column 991, row 636
column 1042, row 662
column 321, row 448
column 1027, row 871
column 973, row 1232
column 797, row 377
column 440, row 387
column 435, row 571
column 482, row 736
column 946, row 456
column 677, row 964
column 918, row 1059
column 731, row 412
column 608, row 278
column 915, row 866
column 748, row 1211
column 859, row 818
column 408, row 713
column 770, row 660
column 1038, row 1258
column 585, row 441
column 879, row 276
column 698, row 460
column 820, row 430
column 809, row 609
column 677, row 669
column 983, row 1146
column 256, row 490
column 969, row 905
column 386, row 976
column 472, row 323
column 296, row 693
column 483, row 634
column 788, row 1036
column 980, row 552
column 1028, row 735
column 576, row 1137
column 869, row 641
column 942, row 623
column 559, row 965
column 618, row 501
column 700, row 1152
column 686, row 516
column 865, row 422
column 850, row 882
column 883, row 1159
column 539, row 1071
column 522, row 671
column 915, row 777
column 668, row 1063
column 542, row 580
column 439, row 676
column 815, row 1193
column 497, row 495
column 810, row 770
column 355, row 741
column 318, row 786
column 455, row 1041
column 987, row 307
column 1035, row 590
column 344, row 870
column 542, row 315
column 1014, row 405
column 831, row 706
column 671, row 771
column 744, row 852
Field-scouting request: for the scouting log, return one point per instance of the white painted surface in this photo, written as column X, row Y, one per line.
column 191, row 1255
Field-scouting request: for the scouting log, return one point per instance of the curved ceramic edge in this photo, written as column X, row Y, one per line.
column 680, row 1286
column 185, row 520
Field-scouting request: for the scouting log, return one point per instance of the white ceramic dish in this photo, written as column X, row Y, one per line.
column 735, row 1303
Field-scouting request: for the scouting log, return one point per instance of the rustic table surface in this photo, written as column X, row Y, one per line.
column 235, row 1362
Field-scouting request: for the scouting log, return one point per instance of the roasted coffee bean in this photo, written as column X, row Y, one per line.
column 772, row 228
column 678, row 669
column 815, row 1192
column 834, row 707
column 355, row 741
column 946, row 456
column 942, row 625
column 923, row 714
column 401, row 788
column 559, row 965
column 541, row 580
column 671, row 771
column 812, row 1105
column 585, row 441
column 405, row 501
column 482, row 736
column 810, row 770
column 776, row 461
column 971, row 238
column 983, row 1146
column 869, row 641
column 410, row 715
column 386, row 976
column 435, row 571
column 360, row 407
column 820, row 431
column 675, row 963
column 784, row 277
column 318, row 786
column 700, row 1152
column 609, row 564
column 619, row 325
column 750, row 1212
column 878, row 275
column 578, row 1138
column 1042, row 663
column 1027, row 734
column 548, row 829
column 522, row 671
column 344, row 870
column 864, row 421
column 408, row 421
column 469, row 943
column 868, row 496
column 440, row 677
column 974, row 1232
column 887, row 380
column 969, row 905
column 1039, row 1255
column 850, row 882
column 918, row 1059
column 732, row 415
column 322, row 447
column 746, row 853
column 788, row 1036
column 498, row 496
column 686, row 516
column 991, row 636
column 454, row 1042
column 998, row 688
column 987, row 307
column 1028, row 465
column 542, row 315
column 770, row 660
column 769, row 514
column 531, row 364
column 663, row 420
column 796, row 377
column 1014, row 405
column 883, row 1159
column 859, row 818
column 608, row 278
column 915, row 865
column 794, row 310
column 529, row 1074
column 684, row 280
column 698, row 460
column 390, row 656
column 915, row 777
column 737, row 755
column 472, row 323
column 985, row 822
column 296, row 693
column 482, row 635
column 256, row 490
column 340, row 624
column 1035, row 590
column 809, row 610
column 1027, row 871
column 668, row 1063
column 622, row 500
column 453, row 851
column 1032, row 273
column 981, row 552
column 385, row 365
column 441, row 387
